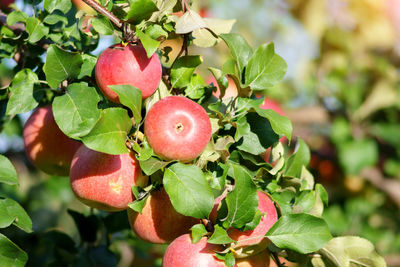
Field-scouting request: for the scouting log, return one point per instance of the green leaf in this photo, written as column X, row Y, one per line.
column 188, row 190
column 198, row 231
column 222, row 81
column 242, row 201
column 189, row 22
column 76, row 111
column 140, row 10
column 204, row 38
column 220, row 236
column 240, row 49
column 110, row 132
column 54, row 19
column 182, row 70
column 61, row 65
column 196, row 88
column 320, row 190
column 265, row 68
column 351, row 251
column 280, row 124
column 22, row 95
column 131, row 97
column 36, row 30
column 228, row 258
column 152, row 165
column 8, row 174
column 358, row 154
column 300, row 158
column 16, row 16
column 10, row 254
column 63, row 5
column 302, row 233
column 89, row 62
column 12, row 213
column 138, row 205
column 155, row 31
column 149, row 44
column 103, row 25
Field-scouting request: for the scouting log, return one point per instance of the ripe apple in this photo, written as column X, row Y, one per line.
column 80, row 5
column 159, row 222
column 129, row 65
column 46, row 146
column 177, row 128
column 231, row 90
column 252, row 241
column 104, row 181
column 261, row 259
column 183, row 253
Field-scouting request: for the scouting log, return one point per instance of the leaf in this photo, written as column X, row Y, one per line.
column 300, row 158
column 12, row 213
column 87, row 225
column 240, row 49
column 76, row 111
column 53, row 19
column 140, row 10
column 265, row 68
column 102, row 25
column 182, row 70
column 280, row 124
column 203, row 37
column 152, row 165
column 110, row 132
column 198, row 231
column 89, row 62
column 302, row 233
column 61, row 65
column 351, row 251
column 10, row 254
column 22, row 95
column 242, row 201
column 189, row 22
column 220, row 236
column 357, row 154
column 196, row 87
column 131, row 97
column 138, row 205
column 188, row 190
column 36, row 30
column 16, row 16
column 63, row 5
column 8, row 174
column 149, row 44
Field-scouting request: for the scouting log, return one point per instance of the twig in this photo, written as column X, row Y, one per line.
column 276, row 259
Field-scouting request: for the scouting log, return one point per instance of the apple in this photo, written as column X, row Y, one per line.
column 183, row 253
column 6, row 3
column 159, row 222
column 46, row 146
column 177, row 128
column 271, row 104
column 261, row 259
column 128, row 65
column 231, row 90
column 104, row 181
column 175, row 46
column 80, row 5
column 252, row 241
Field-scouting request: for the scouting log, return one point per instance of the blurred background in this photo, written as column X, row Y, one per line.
column 341, row 91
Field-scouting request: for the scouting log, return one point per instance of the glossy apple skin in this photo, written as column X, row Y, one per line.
column 261, row 259
column 177, row 128
column 49, row 149
column 159, row 222
column 130, row 65
column 182, row 253
column 253, row 245
column 104, row 181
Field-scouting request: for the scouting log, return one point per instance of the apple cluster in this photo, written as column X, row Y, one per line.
column 177, row 129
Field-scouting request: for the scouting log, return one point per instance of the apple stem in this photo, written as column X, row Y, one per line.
column 129, row 35
column 208, row 224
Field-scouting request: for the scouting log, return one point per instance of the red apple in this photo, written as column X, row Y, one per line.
column 259, row 260
column 231, row 90
column 129, row 65
column 177, row 128
column 49, row 149
column 104, row 181
column 253, row 241
column 159, row 222
column 271, row 104
column 183, row 253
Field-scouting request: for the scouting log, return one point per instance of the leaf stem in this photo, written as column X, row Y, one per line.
column 277, row 260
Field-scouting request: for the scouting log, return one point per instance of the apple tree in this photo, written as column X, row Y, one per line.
column 152, row 148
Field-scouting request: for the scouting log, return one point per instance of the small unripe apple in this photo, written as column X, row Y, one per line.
column 183, row 253
column 261, row 259
column 127, row 65
column 252, row 241
column 159, row 222
column 104, row 181
column 177, row 128
column 46, row 146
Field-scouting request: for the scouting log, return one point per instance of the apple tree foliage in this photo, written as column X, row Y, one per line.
column 53, row 49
